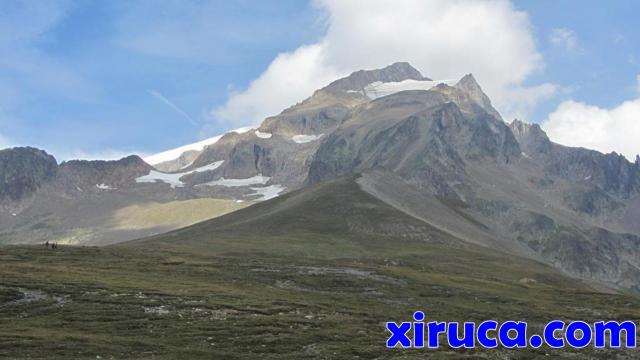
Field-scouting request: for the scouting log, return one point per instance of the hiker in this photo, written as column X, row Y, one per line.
column 47, row 244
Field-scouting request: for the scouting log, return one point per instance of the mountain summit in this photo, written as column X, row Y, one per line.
column 358, row 80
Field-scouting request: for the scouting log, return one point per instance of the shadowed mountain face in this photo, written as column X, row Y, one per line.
column 612, row 173
column 26, row 170
column 424, row 136
column 23, row 171
column 436, row 151
column 111, row 174
column 73, row 202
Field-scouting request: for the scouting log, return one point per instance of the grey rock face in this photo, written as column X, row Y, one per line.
column 23, row 171
column 610, row 173
column 423, row 135
column 472, row 89
column 109, row 173
column 531, row 137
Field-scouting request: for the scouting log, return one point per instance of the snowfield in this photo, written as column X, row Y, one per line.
column 379, row 89
column 267, row 192
column 104, row 187
column 209, row 167
column 302, row 139
column 189, row 164
column 263, row 135
column 173, row 179
column 198, row 146
column 255, row 180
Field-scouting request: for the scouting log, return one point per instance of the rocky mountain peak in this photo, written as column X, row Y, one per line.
column 358, row 80
column 523, row 130
column 399, row 71
column 469, row 85
column 532, row 139
column 23, row 170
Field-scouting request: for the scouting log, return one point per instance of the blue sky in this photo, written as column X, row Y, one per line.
column 98, row 79
column 603, row 66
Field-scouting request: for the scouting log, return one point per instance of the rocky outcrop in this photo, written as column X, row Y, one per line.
column 532, row 139
column 23, row 171
column 427, row 136
column 611, row 173
column 112, row 174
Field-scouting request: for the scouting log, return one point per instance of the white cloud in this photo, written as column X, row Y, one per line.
column 443, row 39
column 290, row 78
column 520, row 101
column 578, row 124
column 564, row 38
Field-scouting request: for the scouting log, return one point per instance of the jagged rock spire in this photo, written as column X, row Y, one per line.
column 469, row 84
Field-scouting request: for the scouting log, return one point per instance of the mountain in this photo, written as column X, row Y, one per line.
column 282, row 147
column 443, row 141
column 436, row 150
column 89, row 202
column 23, row 171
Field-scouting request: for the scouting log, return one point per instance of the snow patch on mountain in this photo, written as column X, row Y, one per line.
column 301, row 139
column 263, row 135
column 267, row 192
column 173, row 179
column 379, row 89
column 189, row 164
column 255, row 180
column 209, row 167
column 197, row 146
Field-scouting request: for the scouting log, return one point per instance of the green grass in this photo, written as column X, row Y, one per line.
column 254, row 285
column 172, row 214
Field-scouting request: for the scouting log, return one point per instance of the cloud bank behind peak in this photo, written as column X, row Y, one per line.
column 441, row 38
